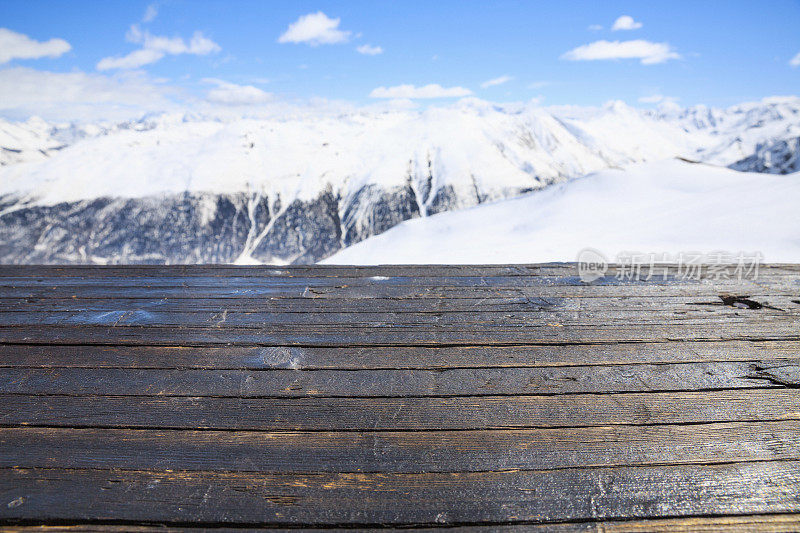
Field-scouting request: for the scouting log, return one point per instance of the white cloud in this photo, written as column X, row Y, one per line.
column 315, row 29
column 135, row 59
column 369, row 50
column 658, row 99
column 538, row 84
column 625, row 22
column 433, row 90
column 150, row 13
column 198, row 45
column 78, row 95
column 496, row 81
column 227, row 93
column 595, row 27
column 795, row 61
column 652, row 99
column 15, row 45
column 647, row 52
column 155, row 48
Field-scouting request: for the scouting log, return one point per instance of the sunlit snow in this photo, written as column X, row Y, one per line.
column 652, row 208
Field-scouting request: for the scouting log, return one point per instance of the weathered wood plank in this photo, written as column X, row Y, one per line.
column 390, row 334
column 644, row 305
column 225, row 270
column 385, row 278
column 496, row 396
column 368, row 383
column 778, row 523
column 570, row 280
column 479, row 287
column 397, row 357
column 770, row 523
column 765, row 270
column 420, row 413
column 225, row 317
column 372, row 499
column 435, row 451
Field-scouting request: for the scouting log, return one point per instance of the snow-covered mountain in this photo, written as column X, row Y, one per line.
column 32, row 140
column 773, row 157
column 664, row 207
column 300, row 185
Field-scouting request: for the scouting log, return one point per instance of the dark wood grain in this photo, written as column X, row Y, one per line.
column 386, row 451
column 397, row 382
column 422, row 413
column 474, row 397
column 764, row 523
column 250, row 319
column 411, row 498
column 766, row 270
column 394, row 357
column 388, row 333
column 293, row 306
column 433, row 291
column 374, row 282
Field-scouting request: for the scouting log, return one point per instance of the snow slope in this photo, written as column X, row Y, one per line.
column 300, row 184
column 663, row 207
column 31, row 140
column 475, row 148
column 470, row 144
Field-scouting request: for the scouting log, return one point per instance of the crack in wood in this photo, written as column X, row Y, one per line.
column 787, row 375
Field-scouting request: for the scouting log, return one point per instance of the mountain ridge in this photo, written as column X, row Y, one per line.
column 664, row 210
column 178, row 188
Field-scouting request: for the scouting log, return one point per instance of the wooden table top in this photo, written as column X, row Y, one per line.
column 477, row 397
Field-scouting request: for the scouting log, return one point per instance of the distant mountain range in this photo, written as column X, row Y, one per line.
column 302, row 185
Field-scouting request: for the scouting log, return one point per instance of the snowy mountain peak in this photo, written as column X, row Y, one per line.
column 338, row 176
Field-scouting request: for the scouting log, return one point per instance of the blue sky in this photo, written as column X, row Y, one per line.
column 717, row 53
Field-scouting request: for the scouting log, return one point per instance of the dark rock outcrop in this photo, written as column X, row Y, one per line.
column 780, row 157
column 203, row 227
